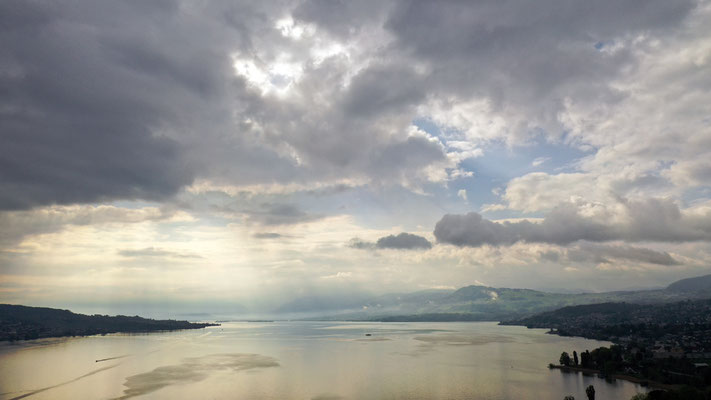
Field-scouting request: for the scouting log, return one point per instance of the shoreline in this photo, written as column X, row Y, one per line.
column 104, row 333
column 23, row 323
column 628, row 378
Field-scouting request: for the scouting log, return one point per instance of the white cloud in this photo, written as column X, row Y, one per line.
column 462, row 194
column 539, row 161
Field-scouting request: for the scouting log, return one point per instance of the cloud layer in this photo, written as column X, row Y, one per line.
column 560, row 140
column 653, row 220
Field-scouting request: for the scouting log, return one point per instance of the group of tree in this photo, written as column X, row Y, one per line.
column 589, row 392
column 690, row 381
column 566, row 360
column 605, row 359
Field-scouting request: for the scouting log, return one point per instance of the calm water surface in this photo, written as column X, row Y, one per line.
column 304, row 360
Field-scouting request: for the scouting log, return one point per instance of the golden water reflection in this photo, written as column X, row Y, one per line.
column 303, row 360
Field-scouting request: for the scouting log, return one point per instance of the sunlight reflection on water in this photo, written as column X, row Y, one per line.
column 303, row 360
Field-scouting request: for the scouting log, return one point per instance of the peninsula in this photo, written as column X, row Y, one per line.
column 25, row 323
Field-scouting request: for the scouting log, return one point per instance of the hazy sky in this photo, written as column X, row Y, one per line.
column 216, row 152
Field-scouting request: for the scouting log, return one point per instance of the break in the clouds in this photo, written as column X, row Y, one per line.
column 543, row 139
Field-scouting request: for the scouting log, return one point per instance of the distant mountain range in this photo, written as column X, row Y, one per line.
column 470, row 303
column 483, row 303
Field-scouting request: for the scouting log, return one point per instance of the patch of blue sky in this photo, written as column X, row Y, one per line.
column 429, row 126
column 499, row 163
column 695, row 195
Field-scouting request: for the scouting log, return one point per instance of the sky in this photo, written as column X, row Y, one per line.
column 237, row 154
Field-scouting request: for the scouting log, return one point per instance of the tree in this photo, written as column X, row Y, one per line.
column 585, row 360
column 590, row 391
column 639, row 396
column 565, row 359
column 600, row 356
column 575, row 358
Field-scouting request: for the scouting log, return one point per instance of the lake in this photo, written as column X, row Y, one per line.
column 304, row 360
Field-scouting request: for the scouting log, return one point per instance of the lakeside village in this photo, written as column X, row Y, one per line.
column 667, row 346
column 678, row 330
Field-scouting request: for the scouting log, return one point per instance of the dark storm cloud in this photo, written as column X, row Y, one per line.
column 473, row 230
column 651, row 220
column 83, row 103
column 128, row 100
column 134, row 100
column 401, row 241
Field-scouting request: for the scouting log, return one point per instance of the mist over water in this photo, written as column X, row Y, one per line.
column 303, row 360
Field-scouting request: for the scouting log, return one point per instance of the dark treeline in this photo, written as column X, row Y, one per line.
column 681, row 378
column 24, row 323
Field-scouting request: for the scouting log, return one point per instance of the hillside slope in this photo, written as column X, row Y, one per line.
column 22, row 322
column 695, row 284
